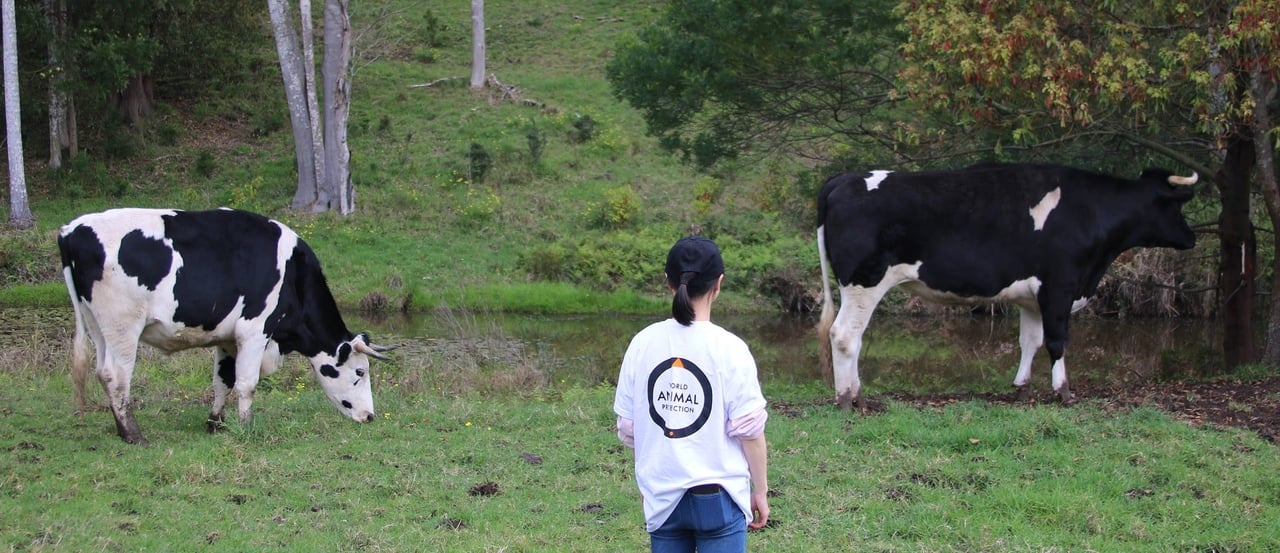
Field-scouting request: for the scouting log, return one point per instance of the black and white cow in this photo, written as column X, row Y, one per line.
column 243, row 284
column 1038, row 236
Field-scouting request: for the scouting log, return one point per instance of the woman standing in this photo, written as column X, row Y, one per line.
column 689, row 403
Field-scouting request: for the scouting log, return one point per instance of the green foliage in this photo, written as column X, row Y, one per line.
column 705, row 190
column 709, row 75
column 537, row 143
column 478, row 162
column 435, row 32
column 620, row 206
column 206, row 164
column 584, row 129
column 245, row 195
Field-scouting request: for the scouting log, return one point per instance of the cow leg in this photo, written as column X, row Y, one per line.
column 248, row 366
column 857, row 303
column 1056, row 327
column 115, row 373
column 224, row 377
column 1030, row 338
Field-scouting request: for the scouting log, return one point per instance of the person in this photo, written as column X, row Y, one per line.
column 689, row 403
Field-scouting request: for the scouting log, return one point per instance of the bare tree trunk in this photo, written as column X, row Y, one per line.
column 291, row 69
column 137, row 101
column 477, row 44
column 55, row 12
column 337, row 98
column 313, row 106
column 1262, row 88
column 19, row 211
column 1237, row 265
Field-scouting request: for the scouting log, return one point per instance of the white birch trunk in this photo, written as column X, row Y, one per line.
column 336, row 72
column 477, row 44
column 19, row 211
column 313, row 106
column 293, row 73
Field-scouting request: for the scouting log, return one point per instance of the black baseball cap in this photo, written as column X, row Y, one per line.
column 694, row 254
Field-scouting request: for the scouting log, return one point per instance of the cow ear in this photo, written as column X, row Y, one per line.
column 344, row 351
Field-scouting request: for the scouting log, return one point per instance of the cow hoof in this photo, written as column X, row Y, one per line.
column 1067, row 398
column 1024, row 393
column 845, row 402
column 215, row 425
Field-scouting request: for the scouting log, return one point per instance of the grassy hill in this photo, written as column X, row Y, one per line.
column 531, row 197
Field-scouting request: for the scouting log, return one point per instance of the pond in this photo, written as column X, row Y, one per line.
column 901, row 353
column 920, row 354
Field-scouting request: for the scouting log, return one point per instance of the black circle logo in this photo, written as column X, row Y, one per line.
column 679, row 397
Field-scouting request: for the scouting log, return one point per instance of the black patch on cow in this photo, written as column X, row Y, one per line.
column 146, row 259
column 328, row 371
column 344, row 351
column 227, row 370
column 84, row 254
column 227, row 256
column 306, row 319
column 346, row 404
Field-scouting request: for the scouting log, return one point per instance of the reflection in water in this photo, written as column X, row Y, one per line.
column 900, row 353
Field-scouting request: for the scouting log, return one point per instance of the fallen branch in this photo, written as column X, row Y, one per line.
column 508, row 92
column 435, row 82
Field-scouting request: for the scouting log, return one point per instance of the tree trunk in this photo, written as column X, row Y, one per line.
column 55, row 12
column 337, row 98
column 1237, row 265
column 1262, row 88
column 19, row 211
column 313, row 106
column 293, row 73
column 137, row 101
column 477, row 45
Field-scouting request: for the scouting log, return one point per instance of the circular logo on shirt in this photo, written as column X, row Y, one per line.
column 679, row 397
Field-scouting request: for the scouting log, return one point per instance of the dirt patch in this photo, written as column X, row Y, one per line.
column 1252, row 405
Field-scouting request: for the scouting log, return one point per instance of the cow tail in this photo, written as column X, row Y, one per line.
column 828, row 308
column 80, row 354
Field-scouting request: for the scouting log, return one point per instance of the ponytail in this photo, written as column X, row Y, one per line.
column 681, row 305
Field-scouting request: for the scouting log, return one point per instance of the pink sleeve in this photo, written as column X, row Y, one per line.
column 627, row 432
column 750, row 425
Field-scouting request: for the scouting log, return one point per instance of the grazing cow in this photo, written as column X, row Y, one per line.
column 236, row 281
column 1038, row 236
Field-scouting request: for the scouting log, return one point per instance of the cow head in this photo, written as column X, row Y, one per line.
column 344, row 376
column 1165, row 224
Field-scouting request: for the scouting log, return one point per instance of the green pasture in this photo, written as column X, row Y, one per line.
column 474, row 455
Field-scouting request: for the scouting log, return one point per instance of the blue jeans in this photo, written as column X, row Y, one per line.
column 707, row 523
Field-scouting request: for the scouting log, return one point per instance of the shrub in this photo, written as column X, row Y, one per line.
column 619, row 207
column 478, row 162
column 584, row 129
column 206, row 164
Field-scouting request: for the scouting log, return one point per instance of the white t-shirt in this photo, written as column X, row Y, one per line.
column 681, row 385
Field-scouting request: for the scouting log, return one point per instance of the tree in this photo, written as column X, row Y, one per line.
column 1171, row 76
column 295, row 84
column 19, row 211
column 477, row 44
column 323, row 156
column 718, row 78
column 62, row 133
column 337, row 99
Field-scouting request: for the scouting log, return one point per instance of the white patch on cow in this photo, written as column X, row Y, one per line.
column 1021, row 292
column 873, row 182
column 1040, row 212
